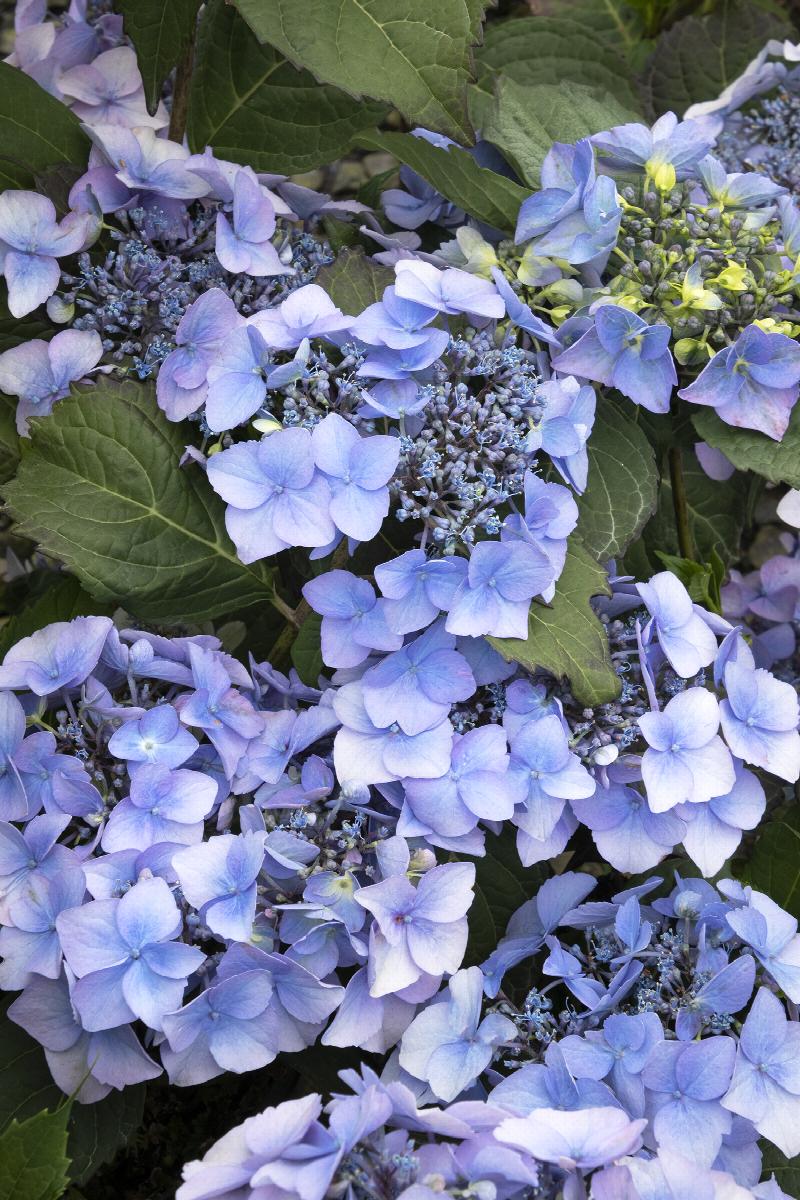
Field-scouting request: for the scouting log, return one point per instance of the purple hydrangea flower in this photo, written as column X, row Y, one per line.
column 628, row 834
column 418, row 588
column 30, row 944
column 308, row 312
column 364, row 752
column 163, row 806
column 502, row 579
column 15, row 804
column 39, row 373
column 564, row 427
column 714, row 830
column 418, row 930
column 765, row 1088
column 617, row 1053
column 772, row 934
column 109, row 91
column 354, row 620
column 686, row 759
column 84, row 1065
column 202, row 334
column 551, row 514
column 585, row 1139
column 753, row 384
column 760, row 719
column 621, row 350
column 417, row 686
column 448, row 1045
column 61, row 655
column 476, row 787
column 275, row 496
column 31, row 242
column 357, row 469
column 31, row 855
column 146, row 163
column 546, row 774
column 218, row 877
column 224, row 714
column 451, row 291
column 126, row 958
column 157, row 737
column 400, row 325
column 684, row 636
column 725, row 993
column 685, row 1084
column 243, row 244
column 240, row 375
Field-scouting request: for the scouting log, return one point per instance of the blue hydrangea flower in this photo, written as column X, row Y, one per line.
column 307, row 312
column 766, row 1079
column 564, row 427
column 417, row 685
column 550, row 516
column 354, row 620
column 201, row 337
column 39, row 373
column 61, row 655
column 627, row 833
column 219, row 878
column 760, row 719
column 418, row 588
column 502, row 579
column 451, row 291
column 477, row 786
column 753, row 384
column 276, row 497
column 163, row 806
column 31, row 242
column 772, row 934
column 666, row 152
column 546, row 774
column 683, row 634
column 685, row 1084
column 146, row 163
column 109, row 90
column 622, row 351
column 418, row 930
column 714, row 830
column 126, row 958
column 584, row 1139
column 358, row 470
column 364, row 752
column 618, row 1052
column 243, row 243
column 30, row 944
column 156, row 737
column 686, row 759
column 448, row 1045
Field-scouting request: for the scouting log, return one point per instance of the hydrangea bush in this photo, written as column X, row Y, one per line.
column 403, row 586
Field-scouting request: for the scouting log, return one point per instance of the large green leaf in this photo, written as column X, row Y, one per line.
column 354, row 281
column 716, row 510
column 33, row 1158
column 101, row 489
column 525, row 120
column 567, row 638
column 750, row 451
column 415, row 55
column 161, row 33
column 786, row 1170
column 483, row 194
column 254, row 107
column 549, row 50
column 623, row 484
column 96, row 1131
column 699, row 56
column 502, row 885
column 774, row 865
column 36, row 131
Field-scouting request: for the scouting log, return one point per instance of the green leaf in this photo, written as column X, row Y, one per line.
column 502, row 885
column 623, row 484
column 36, row 131
column 774, row 865
column 354, row 281
column 96, row 1131
column 750, row 451
column 33, row 1158
column 63, row 600
column 699, row 56
column 525, row 120
column 14, row 330
column 306, row 651
column 161, row 33
column 482, row 193
column 415, row 56
column 100, row 488
column 549, row 50
column 254, row 107
column 567, row 638
column 716, row 511
column 786, row 1170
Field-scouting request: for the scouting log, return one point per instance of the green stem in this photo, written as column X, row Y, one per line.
column 680, row 504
